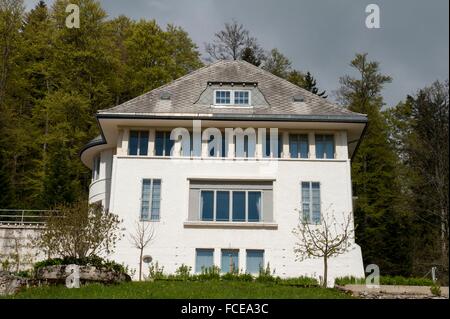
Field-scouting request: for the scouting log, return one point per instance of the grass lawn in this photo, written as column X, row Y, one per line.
column 183, row 290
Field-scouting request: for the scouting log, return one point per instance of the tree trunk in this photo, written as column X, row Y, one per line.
column 325, row 272
column 140, row 264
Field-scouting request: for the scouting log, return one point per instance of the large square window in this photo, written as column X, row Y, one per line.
column 324, row 146
column 241, row 97
column 255, row 261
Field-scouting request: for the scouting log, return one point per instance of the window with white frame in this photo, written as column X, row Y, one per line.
column 150, row 199
column 231, row 205
column 311, row 201
column 232, row 97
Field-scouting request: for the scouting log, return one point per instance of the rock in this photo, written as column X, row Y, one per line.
column 57, row 274
column 10, row 284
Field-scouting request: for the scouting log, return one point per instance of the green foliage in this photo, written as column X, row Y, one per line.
column 155, row 272
column 79, row 230
column 92, row 260
column 301, row 281
column 209, row 273
column 181, row 290
column 183, row 272
column 435, row 290
column 386, row 280
column 265, row 275
column 54, row 79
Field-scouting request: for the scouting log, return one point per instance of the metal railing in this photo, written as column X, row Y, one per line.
column 24, row 217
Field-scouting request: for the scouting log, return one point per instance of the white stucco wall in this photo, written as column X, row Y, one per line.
column 175, row 244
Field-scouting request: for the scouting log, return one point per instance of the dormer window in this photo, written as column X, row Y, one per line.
column 232, row 98
column 223, row 97
column 241, row 97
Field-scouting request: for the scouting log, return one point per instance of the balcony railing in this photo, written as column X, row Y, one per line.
column 24, row 217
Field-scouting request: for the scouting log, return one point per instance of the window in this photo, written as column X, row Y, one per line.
column 150, row 199
column 249, row 146
column 241, row 97
column 163, row 144
column 223, row 97
column 324, row 146
column 96, row 168
column 232, row 97
column 311, row 201
column 138, row 143
column 298, row 145
column 255, row 261
column 268, row 149
column 231, row 205
column 254, row 206
column 204, row 258
column 207, row 205
column 223, row 206
column 230, row 260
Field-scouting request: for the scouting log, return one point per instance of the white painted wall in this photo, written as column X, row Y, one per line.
column 175, row 244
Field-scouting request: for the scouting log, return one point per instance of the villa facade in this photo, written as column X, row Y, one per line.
column 223, row 163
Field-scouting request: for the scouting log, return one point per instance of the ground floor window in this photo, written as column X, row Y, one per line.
column 204, row 258
column 255, row 261
column 229, row 260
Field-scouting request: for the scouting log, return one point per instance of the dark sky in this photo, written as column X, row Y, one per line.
column 322, row 36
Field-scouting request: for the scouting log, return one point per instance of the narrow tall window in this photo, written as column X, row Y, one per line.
column 324, row 146
column 96, row 168
column 311, row 201
column 163, row 143
column 138, row 144
column 223, row 206
column 230, row 260
column 255, row 261
column 150, row 199
column 204, row 259
column 239, row 206
column 298, row 145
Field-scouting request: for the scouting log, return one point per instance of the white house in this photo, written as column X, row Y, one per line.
column 226, row 200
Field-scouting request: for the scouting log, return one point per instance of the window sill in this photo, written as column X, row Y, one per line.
column 249, row 225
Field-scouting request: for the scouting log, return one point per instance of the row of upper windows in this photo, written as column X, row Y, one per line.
column 229, row 261
column 298, row 146
column 226, row 205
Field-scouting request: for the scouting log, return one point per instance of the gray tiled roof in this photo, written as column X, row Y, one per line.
column 186, row 91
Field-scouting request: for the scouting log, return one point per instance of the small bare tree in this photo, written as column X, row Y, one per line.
column 143, row 234
column 324, row 239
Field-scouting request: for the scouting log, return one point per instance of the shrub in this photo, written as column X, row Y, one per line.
column 79, row 230
column 93, row 260
column 209, row 273
column 349, row 280
column 155, row 272
column 386, row 280
column 265, row 275
column 435, row 290
column 301, row 281
column 183, row 272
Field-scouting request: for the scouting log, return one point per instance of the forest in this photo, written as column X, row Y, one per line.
column 54, row 79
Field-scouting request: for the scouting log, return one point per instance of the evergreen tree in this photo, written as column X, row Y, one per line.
column 310, row 84
column 380, row 224
column 249, row 56
column 277, row 64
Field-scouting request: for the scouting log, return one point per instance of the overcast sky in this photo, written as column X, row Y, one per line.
column 321, row 35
